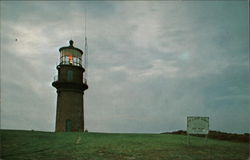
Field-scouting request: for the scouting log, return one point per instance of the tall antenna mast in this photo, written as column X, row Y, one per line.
column 85, row 46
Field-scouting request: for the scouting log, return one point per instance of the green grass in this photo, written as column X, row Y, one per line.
column 26, row 145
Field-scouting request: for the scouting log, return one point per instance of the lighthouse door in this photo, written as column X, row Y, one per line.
column 68, row 125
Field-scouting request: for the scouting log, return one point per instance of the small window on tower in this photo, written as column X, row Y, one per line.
column 70, row 75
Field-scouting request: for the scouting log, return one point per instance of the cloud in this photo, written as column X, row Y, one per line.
column 151, row 64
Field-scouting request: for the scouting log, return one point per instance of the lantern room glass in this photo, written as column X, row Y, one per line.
column 71, row 57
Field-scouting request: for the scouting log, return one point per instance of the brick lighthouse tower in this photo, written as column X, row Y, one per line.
column 70, row 85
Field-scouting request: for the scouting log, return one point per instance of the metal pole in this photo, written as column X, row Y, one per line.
column 188, row 139
column 206, row 139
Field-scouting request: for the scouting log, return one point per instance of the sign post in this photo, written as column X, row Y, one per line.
column 197, row 125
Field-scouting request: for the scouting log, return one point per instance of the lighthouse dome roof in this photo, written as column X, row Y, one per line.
column 71, row 47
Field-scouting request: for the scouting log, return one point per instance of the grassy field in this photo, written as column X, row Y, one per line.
column 26, row 145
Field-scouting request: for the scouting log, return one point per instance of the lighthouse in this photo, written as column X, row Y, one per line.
column 70, row 84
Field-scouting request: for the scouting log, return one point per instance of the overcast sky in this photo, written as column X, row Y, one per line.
column 151, row 64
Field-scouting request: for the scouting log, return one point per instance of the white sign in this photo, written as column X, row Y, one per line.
column 197, row 125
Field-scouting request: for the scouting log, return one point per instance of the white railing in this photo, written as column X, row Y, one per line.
column 70, row 63
column 75, row 61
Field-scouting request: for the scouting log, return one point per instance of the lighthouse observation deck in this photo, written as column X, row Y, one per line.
column 70, row 69
column 71, row 62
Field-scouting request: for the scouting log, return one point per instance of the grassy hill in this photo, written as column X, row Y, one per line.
column 27, row 145
column 219, row 135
